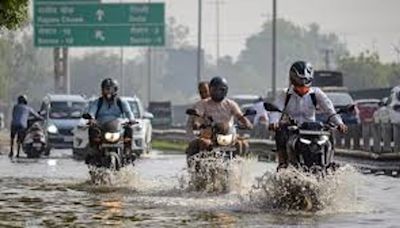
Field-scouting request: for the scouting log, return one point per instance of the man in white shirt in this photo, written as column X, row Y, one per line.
column 300, row 102
column 261, row 120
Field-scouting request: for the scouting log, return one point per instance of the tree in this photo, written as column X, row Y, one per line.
column 367, row 71
column 13, row 13
column 251, row 73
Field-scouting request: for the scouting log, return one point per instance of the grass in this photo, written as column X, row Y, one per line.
column 166, row 145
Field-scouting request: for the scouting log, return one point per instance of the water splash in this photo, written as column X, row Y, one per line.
column 125, row 177
column 215, row 175
column 292, row 191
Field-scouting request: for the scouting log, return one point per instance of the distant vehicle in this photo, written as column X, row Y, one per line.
column 61, row 113
column 340, row 100
column 142, row 131
column 162, row 111
column 245, row 107
column 324, row 78
column 245, row 99
column 367, row 108
column 389, row 112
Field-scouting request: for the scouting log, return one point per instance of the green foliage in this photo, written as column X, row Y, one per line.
column 13, row 13
column 27, row 69
column 367, row 71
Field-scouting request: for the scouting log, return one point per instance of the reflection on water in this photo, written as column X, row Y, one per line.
column 42, row 194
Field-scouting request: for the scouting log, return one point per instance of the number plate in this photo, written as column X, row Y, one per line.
column 37, row 145
column 68, row 139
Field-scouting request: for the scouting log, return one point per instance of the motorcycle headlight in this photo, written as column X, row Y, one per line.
column 305, row 141
column 323, row 140
column 225, row 140
column 52, row 129
column 112, row 137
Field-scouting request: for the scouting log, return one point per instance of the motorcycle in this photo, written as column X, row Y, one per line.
column 209, row 169
column 310, row 145
column 113, row 147
column 34, row 143
column 310, row 151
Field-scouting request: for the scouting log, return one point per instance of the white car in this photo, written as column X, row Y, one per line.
column 141, row 131
column 389, row 112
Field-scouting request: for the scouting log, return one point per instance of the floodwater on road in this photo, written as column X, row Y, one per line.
column 55, row 192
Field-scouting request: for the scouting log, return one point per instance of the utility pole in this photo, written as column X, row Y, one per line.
column 199, row 34
column 217, row 8
column 149, row 72
column 327, row 53
column 122, row 72
column 61, row 70
column 274, row 49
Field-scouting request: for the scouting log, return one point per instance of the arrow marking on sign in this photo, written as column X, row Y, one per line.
column 98, row 35
column 100, row 14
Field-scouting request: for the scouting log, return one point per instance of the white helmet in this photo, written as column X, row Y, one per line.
column 301, row 73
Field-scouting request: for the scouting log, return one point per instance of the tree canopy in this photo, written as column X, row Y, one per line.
column 13, row 13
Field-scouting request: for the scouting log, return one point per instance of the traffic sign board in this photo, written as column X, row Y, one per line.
column 76, row 13
column 49, row 36
column 94, row 24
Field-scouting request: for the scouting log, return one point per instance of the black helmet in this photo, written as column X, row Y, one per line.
column 218, row 89
column 301, row 73
column 109, row 83
column 22, row 99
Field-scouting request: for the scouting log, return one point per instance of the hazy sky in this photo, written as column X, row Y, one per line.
column 362, row 24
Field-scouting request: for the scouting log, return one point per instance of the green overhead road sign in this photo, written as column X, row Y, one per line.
column 48, row 36
column 93, row 24
column 84, row 14
column 62, row 1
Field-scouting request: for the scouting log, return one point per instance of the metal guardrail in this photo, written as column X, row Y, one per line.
column 387, row 162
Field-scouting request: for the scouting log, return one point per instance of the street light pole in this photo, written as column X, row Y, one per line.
column 274, row 49
column 199, row 25
column 218, row 31
column 149, row 72
column 122, row 72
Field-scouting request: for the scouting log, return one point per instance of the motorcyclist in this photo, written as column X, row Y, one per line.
column 222, row 110
column 204, row 92
column 107, row 108
column 19, row 123
column 300, row 103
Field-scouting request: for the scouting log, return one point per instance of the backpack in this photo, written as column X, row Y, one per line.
column 100, row 103
column 313, row 99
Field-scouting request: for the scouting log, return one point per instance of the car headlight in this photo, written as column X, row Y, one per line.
column 112, row 137
column 28, row 140
column 138, row 128
column 52, row 129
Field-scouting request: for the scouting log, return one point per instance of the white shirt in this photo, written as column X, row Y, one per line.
column 261, row 112
column 302, row 109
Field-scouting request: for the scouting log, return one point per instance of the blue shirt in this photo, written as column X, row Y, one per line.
column 110, row 111
column 20, row 115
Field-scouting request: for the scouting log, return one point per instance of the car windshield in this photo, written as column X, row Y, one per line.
column 66, row 109
column 135, row 108
column 340, row 99
column 368, row 104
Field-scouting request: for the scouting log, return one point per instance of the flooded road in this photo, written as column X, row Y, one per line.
column 55, row 193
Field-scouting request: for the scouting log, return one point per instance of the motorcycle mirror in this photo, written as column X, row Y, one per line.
column 192, row 112
column 250, row 112
column 271, row 108
column 347, row 109
column 87, row 116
